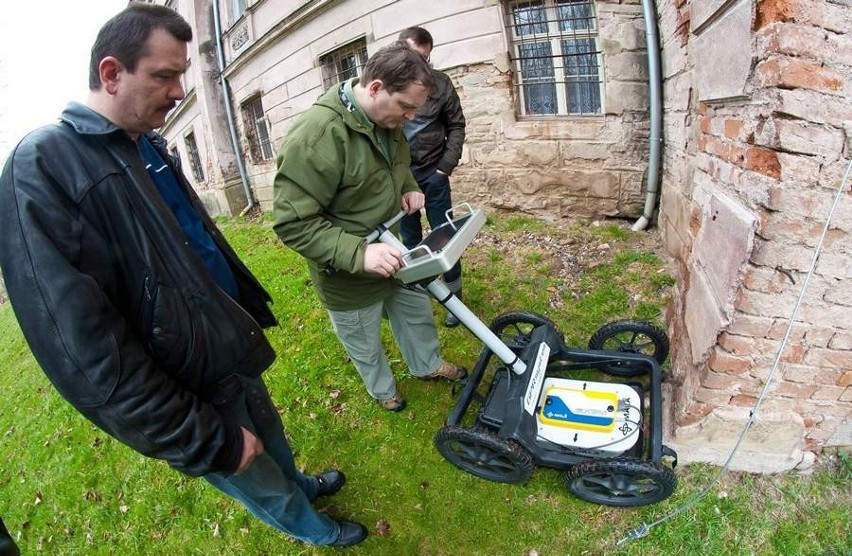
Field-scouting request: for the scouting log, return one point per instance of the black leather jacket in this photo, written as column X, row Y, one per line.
column 120, row 312
column 436, row 133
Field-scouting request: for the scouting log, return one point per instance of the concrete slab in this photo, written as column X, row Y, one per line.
column 724, row 244
column 773, row 443
column 722, row 64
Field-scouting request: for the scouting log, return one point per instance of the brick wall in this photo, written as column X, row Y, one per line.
column 765, row 143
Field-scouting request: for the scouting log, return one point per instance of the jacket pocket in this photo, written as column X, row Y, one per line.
column 167, row 326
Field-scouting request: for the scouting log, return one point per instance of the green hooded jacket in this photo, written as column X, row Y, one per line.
column 334, row 186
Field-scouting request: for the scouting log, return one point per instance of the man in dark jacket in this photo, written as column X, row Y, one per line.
column 133, row 303
column 436, row 136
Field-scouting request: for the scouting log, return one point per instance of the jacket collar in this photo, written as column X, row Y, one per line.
column 334, row 99
column 86, row 121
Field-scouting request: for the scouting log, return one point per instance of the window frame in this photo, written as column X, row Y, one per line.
column 193, row 156
column 238, row 8
column 552, row 31
column 332, row 74
column 257, row 129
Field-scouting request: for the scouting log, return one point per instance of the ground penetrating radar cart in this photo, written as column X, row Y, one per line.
column 531, row 400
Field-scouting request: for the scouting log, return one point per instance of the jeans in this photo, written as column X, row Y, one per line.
column 271, row 488
column 436, row 187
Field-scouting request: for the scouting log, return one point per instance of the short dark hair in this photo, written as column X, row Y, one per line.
column 124, row 36
column 419, row 35
column 398, row 66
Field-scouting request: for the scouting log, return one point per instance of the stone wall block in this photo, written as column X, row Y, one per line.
column 795, row 167
column 622, row 96
column 764, row 304
column 627, row 66
column 838, row 359
column 839, row 293
column 750, row 325
column 804, row 138
column 839, row 51
column 842, row 340
column 786, row 254
column 814, row 106
column 833, row 262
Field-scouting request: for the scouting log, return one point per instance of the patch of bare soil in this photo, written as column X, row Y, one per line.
column 569, row 248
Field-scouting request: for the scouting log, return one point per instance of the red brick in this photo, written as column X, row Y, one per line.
column 738, row 345
column 704, row 124
column 742, row 400
column 733, row 128
column 711, row 396
column 770, row 11
column 820, row 336
column 763, row 161
column 791, row 73
column 796, row 40
column 723, row 362
column 719, row 381
column 795, row 390
column 765, row 280
column 793, row 353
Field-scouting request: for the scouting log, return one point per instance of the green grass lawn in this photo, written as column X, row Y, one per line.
column 66, row 488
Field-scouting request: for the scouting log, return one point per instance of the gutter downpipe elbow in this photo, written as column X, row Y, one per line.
column 229, row 115
column 655, row 140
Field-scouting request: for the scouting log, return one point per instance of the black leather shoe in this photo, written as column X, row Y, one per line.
column 350, row 533
column 329, row 482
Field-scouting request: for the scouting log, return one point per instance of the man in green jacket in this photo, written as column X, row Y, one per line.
column 342, row 171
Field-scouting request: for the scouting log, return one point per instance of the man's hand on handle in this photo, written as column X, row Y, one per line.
column 382, row 259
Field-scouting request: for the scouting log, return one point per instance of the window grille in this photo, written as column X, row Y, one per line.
column 194, row 159
column 257, row 130
column 344, row 63
column 556, row 57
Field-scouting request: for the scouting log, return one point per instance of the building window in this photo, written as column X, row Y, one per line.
column 344, row 63
column 556, row 57
column 194, row 159
column 257, row 130
column 238, row 8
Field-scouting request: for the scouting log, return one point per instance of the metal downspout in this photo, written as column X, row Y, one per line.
column 229, row 115
column 655, row 87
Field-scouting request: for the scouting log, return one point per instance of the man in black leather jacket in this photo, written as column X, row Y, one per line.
column 131, row 300
column 436, row 136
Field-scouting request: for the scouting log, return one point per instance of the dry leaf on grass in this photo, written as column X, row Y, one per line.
column 382, row 528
